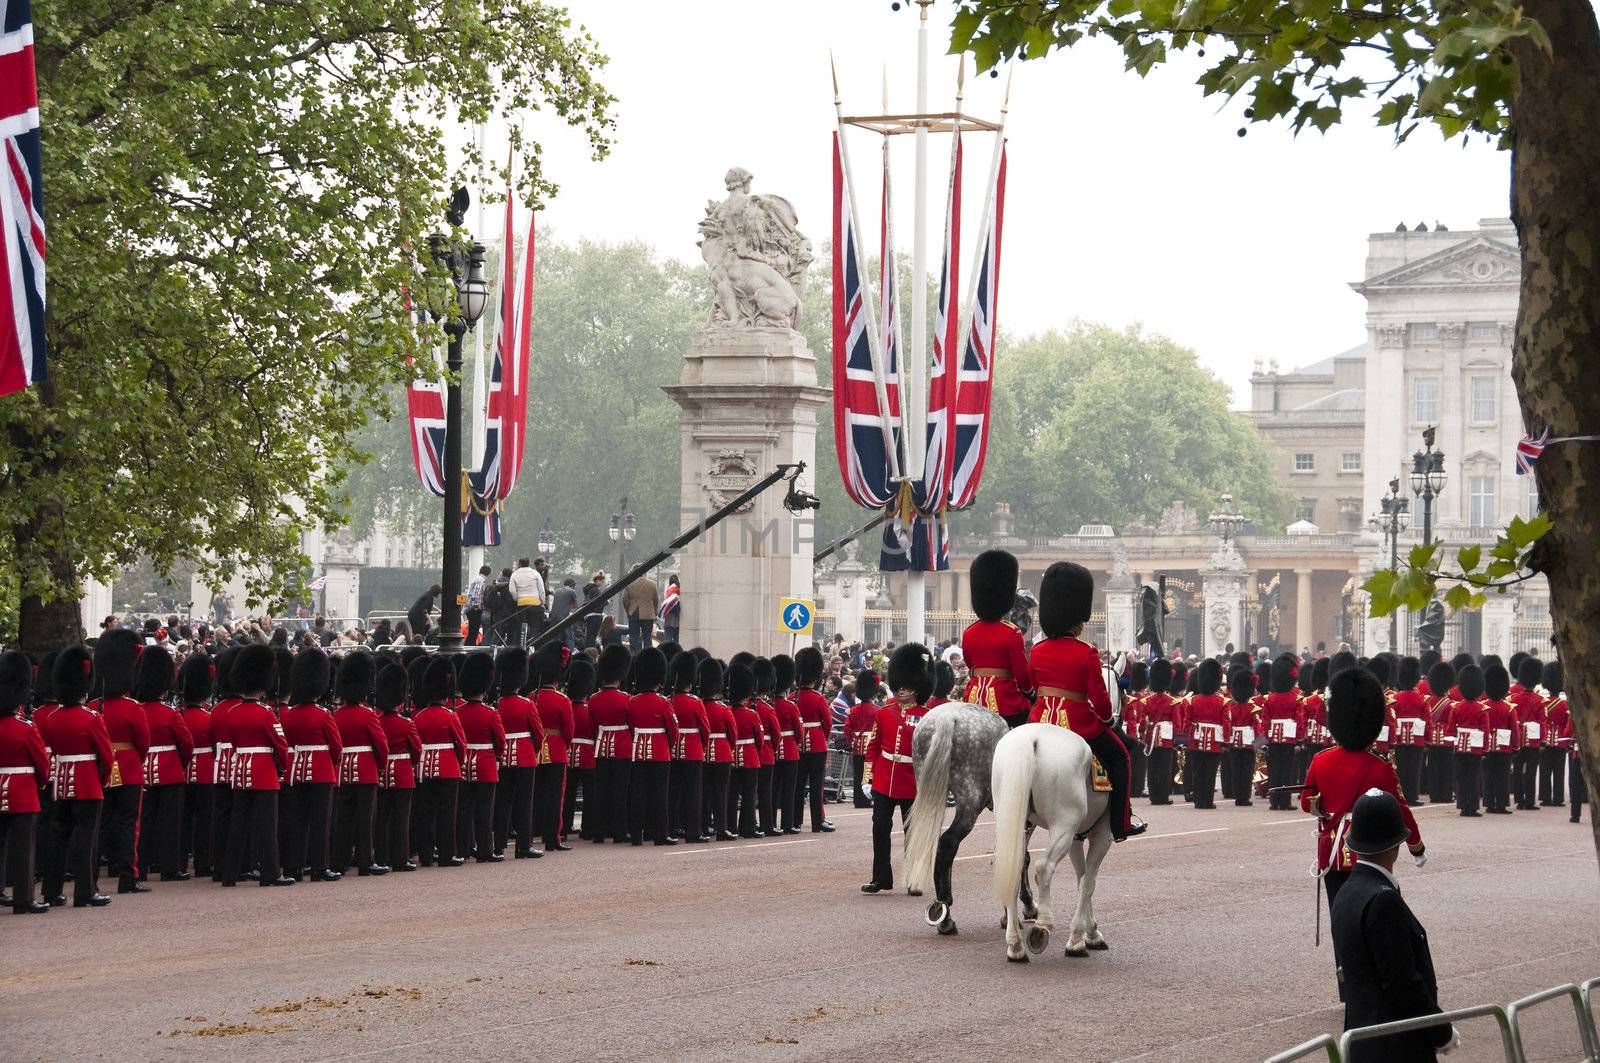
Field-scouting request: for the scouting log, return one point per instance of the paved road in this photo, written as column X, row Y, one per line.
column 768, row 951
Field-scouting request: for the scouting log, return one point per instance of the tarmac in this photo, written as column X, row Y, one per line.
column 767, row 950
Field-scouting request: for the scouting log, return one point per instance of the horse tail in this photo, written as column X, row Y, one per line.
column 926, row 821
column 1012, row 783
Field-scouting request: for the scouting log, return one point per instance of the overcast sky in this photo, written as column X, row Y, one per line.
column 1128, row 200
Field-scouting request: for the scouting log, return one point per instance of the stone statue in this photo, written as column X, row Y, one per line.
column 755, row 256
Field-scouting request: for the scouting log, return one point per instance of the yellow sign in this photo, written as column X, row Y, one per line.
column 795, row 615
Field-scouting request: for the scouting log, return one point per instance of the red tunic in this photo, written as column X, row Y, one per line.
column 721, row 731
column 1339, row 776
column 130, row 738
column 889, row 754
column 486, row 742
column 40, row 715
column 580, row 751
column 655, row 731
column 815, row 717
column 767, row 739
column 405, row 751
column 555, row 720
column 1208, row 717
column 1504, row 734
column 1072, row 688
column 1160, row 714
column 1469, row 727
column 444, row 743
column 24, row 765
column 694, row 728
column 1133, row 716
column 1241, row 724
column 365, row 745
column 608, row 708
column 747, row 741
column 858, row 726
column 171, row 745
column 315, row 745
column 998, row 646
column 1411, row 720
column 1282, row 718
column 1439, row 734
column 525, row 735
column 1558, row 722
column 1529, row 708
column 790, row 727
column 260, row 752
column 1315, row 710
column 1381, row 745
column 80, row 748
column 203, row 763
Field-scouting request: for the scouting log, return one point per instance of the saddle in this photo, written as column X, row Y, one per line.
column 1100, row 782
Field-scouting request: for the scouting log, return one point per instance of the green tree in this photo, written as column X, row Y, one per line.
column 231, row 189
column 1523, row 72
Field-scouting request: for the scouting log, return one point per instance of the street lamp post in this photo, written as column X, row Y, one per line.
column 1395, row 516
column 465, row 265
column 547, row 541
column 622, row 531
column 1225, row 521
column 1427, row 480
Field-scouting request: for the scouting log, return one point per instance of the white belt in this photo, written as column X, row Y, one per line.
column 898, row 758
column 476, row 746
column 744, row 741
column 614, row 727
column 578, row 741
column 651, row 731
column 319, row 749
column 427, row 746
column 74, row 758
column 245, row 751
column 24, row 770
column 224, row 745
column 399, row 756
column 720, row 735
column 347, row 749
column 785, row 734
column 518, row 734
column 161, row 749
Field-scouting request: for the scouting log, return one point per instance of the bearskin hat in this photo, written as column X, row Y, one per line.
column 438, row 682
column 1240, row 659
column 1410, row 671
column 416, row 671
column 992, row 578
column 410, row 655
column 389, row 692
column 44, row 680
column 808, row 666
column 16, row 680
column 1178, row 685
column 1496, row 681
column 1321, row 669
column 1263, row 673
column 1469, row 680
column 116, row 655
column 766, row 674
column 1208, row 676
column 1379, row 667
column 868, row 685
column 911, row 668
column 153, row 676
column 1066, row 598
column 476, row 676
column 1529, row 671
column 1283, row 673
column 580, row 679
column 1551, row 679
column 1490, row 658
column 1429, row 658
column 1306, row 678
column 613, row 666
column 354, row 683
column 743, row 657
column 549, row 661
column 223, row 678
column 1160, row 675
column 1340, row 661
column 741, row 683
column 511, row 670
column 783, row 665
column 649, row 670
column 1241, row 684
column 701, row 654
column 1514, row 665
column 309, row 672
column 1460, row 661
column 682, row 670
column 708, row 679
column 72, row 675
column 1356, row 709
column 252, row 671
column 944, row 679
column 669, row 650
column 1441, row 677
column 1138, row 677
column 283, row 658
column 196, row 678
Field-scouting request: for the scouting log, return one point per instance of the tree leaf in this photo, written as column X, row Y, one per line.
column 1467, row 557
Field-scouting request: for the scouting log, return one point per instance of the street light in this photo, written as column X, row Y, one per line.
column 1427, row 479
column 1225, row 521
column 622, row 531
column 547, row 540
column 465, row 266
column 1395, row 516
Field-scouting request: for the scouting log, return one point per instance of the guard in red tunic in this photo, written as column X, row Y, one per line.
column 1339, row 776
column 1383, row 670
column 1557, row 723
column 116, row 655
column 720, row 733
column 1208, row 722
column 580, row 751
column 1504, row 740
column 171, row 748
column 746, row 749
column 1315, row 717
column 1133, row 722
column 44, row 704
column 1562, row 737
column 858, row 727
column 1160, row 711
column 815, row 719
column 1071, row 685
column 1411, row 729
column 613, row 751
column 557, row 724
column 786, row 770
column 766, row 681
column 480, row 769
column 1469, row 730
column 222, row 807
column 196, row 678
column 1242, row 733
column 398, row 782
column 655, row 731
column 81, row 762
column 1529, row 706
column 1441, row 766
column 993, row 647
column 315, row 747
column 361, row 762
column 687, row 787
column 23, row 763
column 444, row 746
column 260, row 758
column 890, row 770
column 1283, row 722
column 513, row 798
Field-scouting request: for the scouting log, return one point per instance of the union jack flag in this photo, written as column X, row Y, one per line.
column 934, row 490
column 975, row 383
column 22, row 349
column 425, row 418
column 1528, row 451
column 668, row 613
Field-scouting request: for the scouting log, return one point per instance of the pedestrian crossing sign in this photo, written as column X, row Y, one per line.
column 795, row 616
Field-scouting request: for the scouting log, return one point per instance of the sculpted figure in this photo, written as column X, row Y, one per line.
column 755, row 257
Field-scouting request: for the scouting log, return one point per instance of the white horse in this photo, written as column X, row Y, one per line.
column 1044, row 772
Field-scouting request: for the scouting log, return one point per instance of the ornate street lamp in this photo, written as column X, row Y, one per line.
column 622, row 531
column 547, row 540
column 1394, row 517
column 1427, row 479
column 1225, row 522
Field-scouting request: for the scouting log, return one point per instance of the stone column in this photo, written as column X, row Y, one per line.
column 1302, row 609
column 95, row 605
column 1121, row 595
column 1499, row 614
column 850, row 612
column 1224, row 581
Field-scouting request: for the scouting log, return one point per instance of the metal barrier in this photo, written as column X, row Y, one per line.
column 1321, row 1043
column 1585, row 1021
column 1585, row 992
column 1421, row 1022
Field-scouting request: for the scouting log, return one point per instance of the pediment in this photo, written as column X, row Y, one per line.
column 1479, row 261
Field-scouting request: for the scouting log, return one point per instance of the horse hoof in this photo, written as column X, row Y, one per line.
column 1078, row 953
column 1099, row 944
column 938, row 912
column 1030, row 913
column 1017, row 959
column 1038, row 939
column 947, row 926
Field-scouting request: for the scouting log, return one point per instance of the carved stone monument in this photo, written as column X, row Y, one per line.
column 1121, row 593
column 749, row 396
column 1224, row 575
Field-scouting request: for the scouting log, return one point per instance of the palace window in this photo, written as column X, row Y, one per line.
column 1308, row 510
column 1533, row 495
column 1480, row 501
column 1484, row 332
column 1424, row 332
column 1350, row 461
column 1425, row 407
column 1305, row 461
column 1483, row 399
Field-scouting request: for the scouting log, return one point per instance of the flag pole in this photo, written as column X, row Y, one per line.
column 913, row 397
column 988, row 205
column 479, row 385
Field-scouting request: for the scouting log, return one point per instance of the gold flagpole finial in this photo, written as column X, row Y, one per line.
column 833, row 69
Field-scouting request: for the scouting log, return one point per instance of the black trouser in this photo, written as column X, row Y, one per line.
column 1408, row 766
column 1525, row 777
column 785, row 774
column 647, row 800
column 1225, row 775
column 1244, row 772
column 1107, row 748
column 435, row 824
column 76, row 828
column 199, row 801
column 577, row 779
column 858, row 766
column 119, row 827
column 513, row 807
column 44, row 835
column 764, row 803
column 742, row 800
column 1551, row 772
column 252, row 826
column 161, row 829
column 611, row 806
column 1577, row 787
column 1332, row 879
column 474, row 625
column 1469, row 781
column 1161, row 776
column 221, row 820
column 306, row 808
column 1186, row 774
column 16, row 835
column 1205, row 776
column 1280, row 766
column 475, row 819
column 1441, row 774
column 715, row 821
column 882, row 829
column 354, row 825
column 393, row 830
column 688, row 797
column 808, row 785
column 1497, row 781
column 1136, row 764
column 527, row 624
column 548, row 785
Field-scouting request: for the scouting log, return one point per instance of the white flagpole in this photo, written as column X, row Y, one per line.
column 986, row 234
column 913, row 393
column 480, row 391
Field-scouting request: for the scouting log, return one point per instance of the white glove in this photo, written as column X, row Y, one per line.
column 1455, row 1042
column 866, row 793
column 1419, row 858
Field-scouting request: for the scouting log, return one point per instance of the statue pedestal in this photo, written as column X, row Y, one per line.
column 749, row 398
column 1224, row 596
column 1121, row 623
